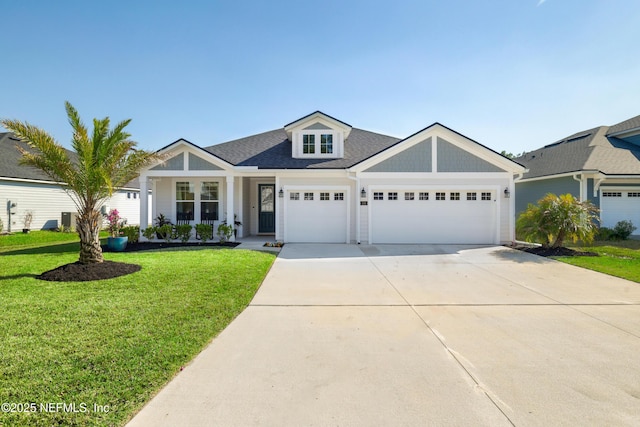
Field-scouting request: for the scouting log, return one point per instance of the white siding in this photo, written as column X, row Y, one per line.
column 46, row 201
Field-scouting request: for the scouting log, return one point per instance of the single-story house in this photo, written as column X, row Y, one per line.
column 600, row 164
column 318, row 179
column 24, row 188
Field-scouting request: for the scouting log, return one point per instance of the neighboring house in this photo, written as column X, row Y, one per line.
column 30, row 189
column 320, row 180
column 600, row 164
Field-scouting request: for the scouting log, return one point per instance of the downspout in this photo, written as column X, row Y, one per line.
column 575, row 176
column 356, row 197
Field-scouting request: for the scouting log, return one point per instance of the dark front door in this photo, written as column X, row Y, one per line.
column 266, row 208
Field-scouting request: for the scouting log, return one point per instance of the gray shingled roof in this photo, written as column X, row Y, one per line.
column 272, row 150
column 632, row 123
column 10, row 157
column 10, row 161
column 587, row 150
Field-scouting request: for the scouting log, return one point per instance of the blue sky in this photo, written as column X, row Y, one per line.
column 511, row 74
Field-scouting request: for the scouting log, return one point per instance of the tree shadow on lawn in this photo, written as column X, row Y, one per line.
column 49, row 249
column 18, row 276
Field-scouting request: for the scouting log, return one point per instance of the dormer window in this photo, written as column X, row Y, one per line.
column 317, row 136
column 326, row 144
column 308, row 144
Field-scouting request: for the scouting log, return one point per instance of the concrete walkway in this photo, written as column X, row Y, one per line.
column 346, row 335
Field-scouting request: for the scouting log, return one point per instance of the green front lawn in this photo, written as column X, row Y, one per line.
column 621, row 259
column 111, row 343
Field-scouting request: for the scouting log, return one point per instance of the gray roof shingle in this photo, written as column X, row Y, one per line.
column 587, row 150
column 632, row 123
column 272, row 150
column 10, row 166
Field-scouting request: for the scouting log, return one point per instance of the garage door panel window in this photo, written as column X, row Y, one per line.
column 392, row 195
column 454, row 196
column 611, row 194
column 471, row 196
column 308, row 196
column 378, row 196
column 324, row 196
column 423, row 196
column 486, row 196
column 338, row 196
column 633, row 194
column 441, row 196
column 409, row 196
column 294, row 196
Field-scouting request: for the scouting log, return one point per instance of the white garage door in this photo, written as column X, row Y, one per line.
column 316, row 216
column 442, row 216
column 618, row 205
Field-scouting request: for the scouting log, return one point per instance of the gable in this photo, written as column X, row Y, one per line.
column 175, row 163
column 317, row 125
column 414, row 159
column 199, row 164
column 452, row 158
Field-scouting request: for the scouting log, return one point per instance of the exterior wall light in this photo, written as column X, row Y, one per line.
column 281, row 193
column 363, row 194
column 507, row 193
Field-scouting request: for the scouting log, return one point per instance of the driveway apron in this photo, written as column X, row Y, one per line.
column 407, row 335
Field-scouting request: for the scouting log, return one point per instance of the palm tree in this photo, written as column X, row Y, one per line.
column 103, row 162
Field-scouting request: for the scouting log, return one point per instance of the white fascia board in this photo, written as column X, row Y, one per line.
column 31, row 181
column 317, row 117
column 587, row 173
column 448, row 176
column 183, row 173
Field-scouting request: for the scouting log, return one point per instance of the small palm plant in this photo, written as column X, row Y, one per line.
column 557, row 218
column 104, row 161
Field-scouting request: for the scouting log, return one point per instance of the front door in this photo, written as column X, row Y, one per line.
column 266, row 208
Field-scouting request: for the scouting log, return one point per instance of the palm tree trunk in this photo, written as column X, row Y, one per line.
column 89, row 224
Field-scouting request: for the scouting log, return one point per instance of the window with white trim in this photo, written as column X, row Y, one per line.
column 324, row 196
column 378, row 196
column 308, row 144
column 338, row 196
column 441, row 196
column 294, row 196
column 471, row 196
column 454, row 196
column 308, row 196
column 423, row 195
column 392, row 195
column 611, row 194
column 486, row 196
column 185, row 201
column 409, row 196
column 209, row 199
column 326, row 143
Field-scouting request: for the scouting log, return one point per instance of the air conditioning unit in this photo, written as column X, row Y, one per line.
column 69, row 219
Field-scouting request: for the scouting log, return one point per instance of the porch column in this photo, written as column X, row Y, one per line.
column 230, row 214
column 144, row 204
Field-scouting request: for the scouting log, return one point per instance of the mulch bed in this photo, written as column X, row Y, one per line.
column 550, row 252
column 147, row 246
column 76, row 272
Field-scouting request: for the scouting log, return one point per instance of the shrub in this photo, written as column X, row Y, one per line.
column 605, row 233
column 183, row 232
column 224, row 232
column 1, row 225
column 624, row 229
column 165, row 232
column 132, row 232
column 204, row 231
column 149, row 232
column 556, row 218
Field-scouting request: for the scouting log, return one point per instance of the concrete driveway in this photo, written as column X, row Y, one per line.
column 346, row 335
